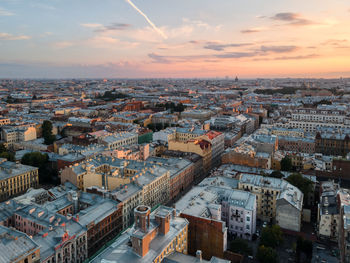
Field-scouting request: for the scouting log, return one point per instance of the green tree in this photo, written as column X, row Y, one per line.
column 4, row 153
column 37, row 159
column 8, row 155
column 2, row 148
column 303, row 246
column 152, row 127
column 286, row 164
column 267, row 255
column 179, row 107
column 49, row 138
column 240, row 246
column 271, row 236
column 276, row 174
column 303, row 184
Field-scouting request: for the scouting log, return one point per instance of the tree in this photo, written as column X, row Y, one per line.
column 271, row 236
column 276, row 174
column 2, row 148
column 240, row 246
column 267, row 255
column 37, row 159
column 113, row 95
column 4, row 153
column 9, row 156
column 179, row 107
column 286, row 164
column 303, row 184
column 49, row 138
column 304, row 246
column 152, row 127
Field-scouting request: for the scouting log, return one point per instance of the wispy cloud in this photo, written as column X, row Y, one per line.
column 102, row 28
column 159, row 31
column 335, row 42
column 294, row 19
column 221, row 47
column 300, row 57
column 278, row 49
column 237, row 55
column 114, row 27
column 260, row 51
column 249, row 31
column 7, row 36
column 159, row 59
column 4, row 12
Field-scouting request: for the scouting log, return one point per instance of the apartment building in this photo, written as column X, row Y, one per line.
column 330, row 141
column 239, row 213
column 199, row 146
column 16, row 179
column 279, row 131
column 17, row 247
column 110, row 173
column 102, row 222
column 182, row 173
column 117, row 140
column 130, row 196
column 344, row 234
column 312, row 119
column 328, row 216
column 165, row 135
column 202, row 115
column 18, row 134
column 154, row 236
column 4, row 121
column 277, row 200
column 214, row 209
column 217, row 140
column 296, row 144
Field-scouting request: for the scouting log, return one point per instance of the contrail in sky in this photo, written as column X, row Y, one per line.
column 160, row 32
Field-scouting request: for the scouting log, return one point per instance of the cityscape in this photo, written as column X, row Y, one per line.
column 174, row 132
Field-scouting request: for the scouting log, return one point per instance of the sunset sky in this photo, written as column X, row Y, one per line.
column 188, row 38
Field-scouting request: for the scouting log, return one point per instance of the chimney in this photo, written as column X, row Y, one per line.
column 199, row 255
column 69, row 216
column 142, row 217
column 163, row 219
column 174, row 211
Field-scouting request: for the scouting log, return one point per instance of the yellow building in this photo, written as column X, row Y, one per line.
column 110, row 173
column 288, row 132
column 201, row 147
column 16, row 179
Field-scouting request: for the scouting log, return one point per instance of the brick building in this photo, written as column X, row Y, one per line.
column 333, row 142
column 153, row 237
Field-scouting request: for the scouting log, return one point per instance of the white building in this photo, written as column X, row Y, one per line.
column 18, row 134
column 165, row 135
column 117, row 140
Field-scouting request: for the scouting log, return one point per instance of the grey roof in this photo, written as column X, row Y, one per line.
column 11, row 169
column 15, row 245
column 97, row 212
column 120, row 251
column 125, row 193
column 54, row 237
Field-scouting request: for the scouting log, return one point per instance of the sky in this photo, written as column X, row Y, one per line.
column 174, row 38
